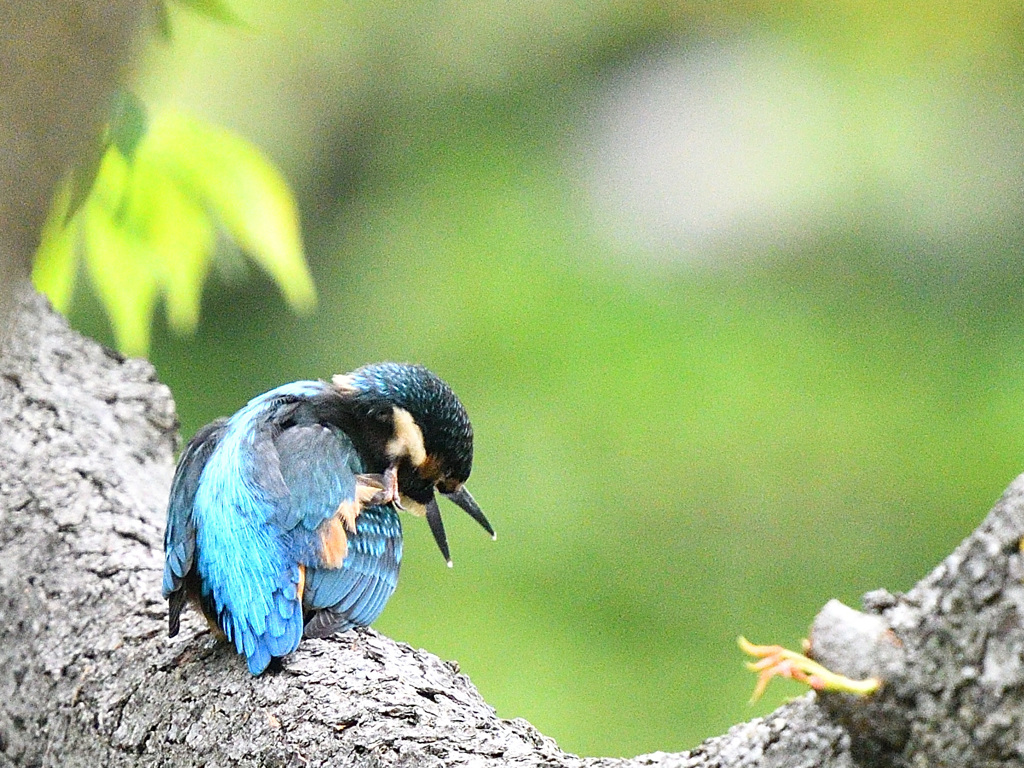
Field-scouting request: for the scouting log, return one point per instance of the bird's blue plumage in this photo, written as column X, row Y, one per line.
column 249, row 503
column 180, row 536
column 355, row 594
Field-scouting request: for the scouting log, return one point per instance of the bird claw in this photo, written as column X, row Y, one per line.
column 378, row 490
column 372, row 491
column 391, row 483
column 776, row 661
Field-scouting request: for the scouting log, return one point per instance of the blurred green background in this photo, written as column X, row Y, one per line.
column 731, row 291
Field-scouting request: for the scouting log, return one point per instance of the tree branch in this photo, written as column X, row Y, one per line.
column 87, row 676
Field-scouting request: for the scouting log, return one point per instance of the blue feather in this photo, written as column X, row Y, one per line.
column 248, row 501
column 355, row 594
column 242, row 558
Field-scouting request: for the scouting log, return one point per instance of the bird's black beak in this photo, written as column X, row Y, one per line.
column 463, row 498
column 437, row 528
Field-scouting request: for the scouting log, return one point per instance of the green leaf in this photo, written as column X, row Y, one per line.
column 56, row 260
column 128, row 123
column 148, row 224
column 117, row 261
column 245, row 193
column 126, row 128
column 179, row 236
column 215, row 10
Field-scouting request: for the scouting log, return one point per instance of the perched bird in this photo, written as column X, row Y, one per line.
column 282, row 519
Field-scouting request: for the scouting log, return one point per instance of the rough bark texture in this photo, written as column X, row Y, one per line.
column 951, row 654
column 88, row 678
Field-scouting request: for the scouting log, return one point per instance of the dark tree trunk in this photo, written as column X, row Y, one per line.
column 87, row 676
column 60, row 63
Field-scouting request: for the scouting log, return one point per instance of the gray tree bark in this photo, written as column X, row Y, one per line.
column 88, row 678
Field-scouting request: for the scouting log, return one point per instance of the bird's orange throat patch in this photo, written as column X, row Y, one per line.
column 430, row 469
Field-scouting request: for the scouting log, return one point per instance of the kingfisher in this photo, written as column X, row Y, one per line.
column 282, row 521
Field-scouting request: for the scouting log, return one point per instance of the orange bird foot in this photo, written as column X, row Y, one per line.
column 378, row 490
column 776, row 661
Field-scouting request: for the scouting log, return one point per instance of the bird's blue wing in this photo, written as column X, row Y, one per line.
column 354, row 595
column 247, row 580
column 180, row 534
column 319, row 465
column 266, row 489
column 271, row 493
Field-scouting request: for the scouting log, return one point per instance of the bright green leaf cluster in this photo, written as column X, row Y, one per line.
column 147, row 227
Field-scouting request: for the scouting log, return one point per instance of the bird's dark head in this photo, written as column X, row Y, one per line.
column 410, row 422
column 415, row 418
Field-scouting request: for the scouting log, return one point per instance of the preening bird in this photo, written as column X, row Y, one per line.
column 282, row 520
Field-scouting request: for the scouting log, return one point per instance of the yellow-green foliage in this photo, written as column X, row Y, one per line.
column 148, row 226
